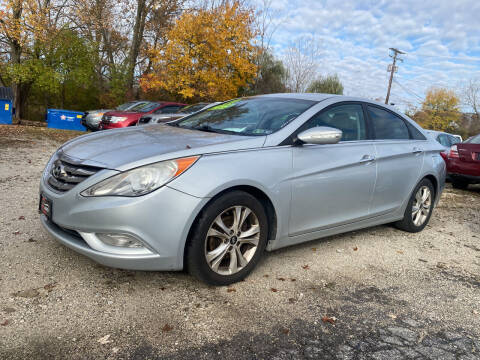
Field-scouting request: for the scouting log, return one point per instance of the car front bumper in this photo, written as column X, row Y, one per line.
column 160, row 221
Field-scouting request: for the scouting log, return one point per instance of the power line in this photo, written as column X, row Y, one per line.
column 408, row 90
column 392, row 68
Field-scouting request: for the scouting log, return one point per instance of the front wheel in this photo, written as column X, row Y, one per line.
column 228, row 239
column 419, row 208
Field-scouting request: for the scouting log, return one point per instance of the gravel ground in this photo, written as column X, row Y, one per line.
column 377, row 293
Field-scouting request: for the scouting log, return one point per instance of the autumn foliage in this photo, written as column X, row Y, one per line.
column 440, row 110
column 208, row 56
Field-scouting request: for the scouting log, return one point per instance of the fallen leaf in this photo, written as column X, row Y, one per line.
column 355, row 248
column 49, row 287
column 265, row 276
column 292, row 300
column 281, row 279
column 31, row 240
column 330, row 320
column 305, row 267
column 167, row 328
column 285, row 331
column 21, row 218
column 162, row 288
column 104, row 340
column 273, row 289
column 314, row 249
column 400, row 252
column 231, row 290
column 292, row 280
column 5, row 322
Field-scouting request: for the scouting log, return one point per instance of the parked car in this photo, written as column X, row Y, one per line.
column 212, row 191
column 120, row 119
column 91, row 118
column 162, row 118
column 464, row 163
column 446, row 140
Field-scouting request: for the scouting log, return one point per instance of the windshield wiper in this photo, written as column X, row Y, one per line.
column 206, row 128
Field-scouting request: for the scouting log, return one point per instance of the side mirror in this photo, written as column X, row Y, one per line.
column 320, row 135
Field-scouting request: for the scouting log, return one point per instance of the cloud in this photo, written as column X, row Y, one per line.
column 441, row 38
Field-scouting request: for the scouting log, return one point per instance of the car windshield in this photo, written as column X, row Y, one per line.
column 190, row 109
column 249, row 116
column 474, row 140
column 125, row 106
column 144, row 107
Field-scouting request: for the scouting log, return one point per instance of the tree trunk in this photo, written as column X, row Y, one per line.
column 16, row 56
column 136, row 42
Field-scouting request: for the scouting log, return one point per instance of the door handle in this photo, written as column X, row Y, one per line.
column 417, row 150
column 367, row 158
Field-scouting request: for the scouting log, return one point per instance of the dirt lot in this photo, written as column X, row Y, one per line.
column 377, row 293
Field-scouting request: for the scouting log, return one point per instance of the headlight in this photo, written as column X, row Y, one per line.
column 142, row 180
column 116, row 119
column 97, row 115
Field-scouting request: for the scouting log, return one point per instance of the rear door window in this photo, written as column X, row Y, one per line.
column 386, row 125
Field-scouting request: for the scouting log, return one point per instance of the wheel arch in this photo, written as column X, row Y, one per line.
column 252, row 190
column 434, row 181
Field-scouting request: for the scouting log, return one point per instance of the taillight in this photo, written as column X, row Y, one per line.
column 453, row 152
column 444, row 156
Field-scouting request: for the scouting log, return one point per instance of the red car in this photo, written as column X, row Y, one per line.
column 120, row 119
column 463, row 163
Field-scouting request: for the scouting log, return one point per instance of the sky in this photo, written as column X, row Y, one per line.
column 441, row 40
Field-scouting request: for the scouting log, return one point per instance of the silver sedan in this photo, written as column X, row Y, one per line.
column 212, row 191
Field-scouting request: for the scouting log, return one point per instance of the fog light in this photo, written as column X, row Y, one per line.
column 122, row 240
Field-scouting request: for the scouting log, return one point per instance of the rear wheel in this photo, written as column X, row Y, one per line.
column 459, row 184
column 228, row 239
column 419, row 208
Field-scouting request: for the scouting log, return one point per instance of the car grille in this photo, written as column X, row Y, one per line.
column 106, row 119
column 64, row 175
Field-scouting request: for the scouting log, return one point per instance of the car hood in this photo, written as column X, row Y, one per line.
column 127, row 148
column 124, row 113
column 92, row 112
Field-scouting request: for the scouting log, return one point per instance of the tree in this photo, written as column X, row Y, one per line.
column 209, row 55
column 440, row 110
column 471, row 94
column 22, row 25
column 329, row 84
column 301, row 62
column 271, row 76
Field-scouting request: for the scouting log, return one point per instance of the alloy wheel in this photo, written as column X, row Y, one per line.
column 232, row 240
column 422, row 205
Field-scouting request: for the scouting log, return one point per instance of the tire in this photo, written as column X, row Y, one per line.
column 459, row 184
column 415, row 222
column 208, row 239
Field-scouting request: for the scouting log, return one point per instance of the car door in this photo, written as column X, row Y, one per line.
column 333, row 184
column 399, row 159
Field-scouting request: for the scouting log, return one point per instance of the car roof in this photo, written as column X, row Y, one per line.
column 320, row 97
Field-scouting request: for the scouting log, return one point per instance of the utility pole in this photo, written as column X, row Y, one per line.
column 392, row 69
